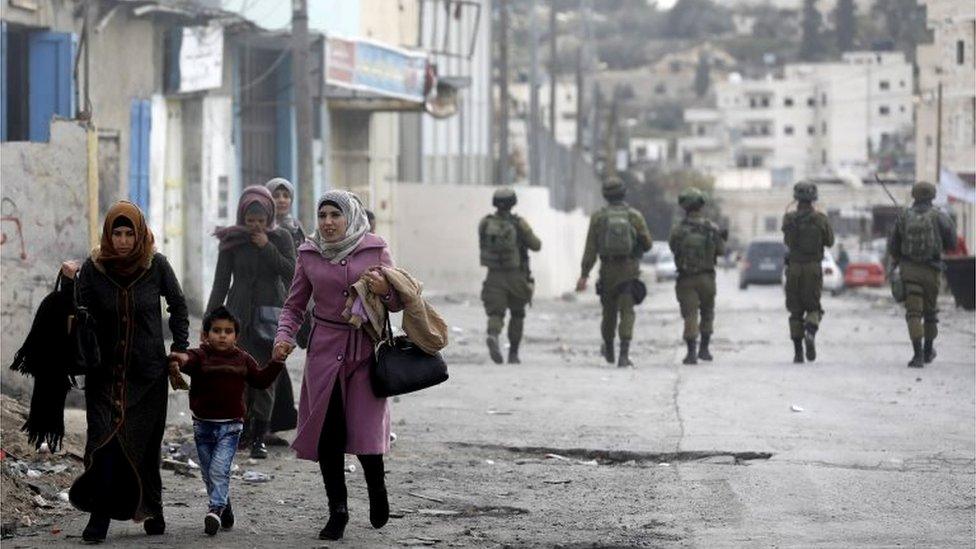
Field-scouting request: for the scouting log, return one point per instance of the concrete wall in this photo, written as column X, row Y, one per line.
column 44, row 221
column 435, row 237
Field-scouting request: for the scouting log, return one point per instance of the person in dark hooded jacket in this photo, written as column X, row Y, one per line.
column 254, row 267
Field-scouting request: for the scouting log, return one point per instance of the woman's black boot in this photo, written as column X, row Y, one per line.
column 336, row 526
column 379, row 503
column 155, row 526
column 97, row 528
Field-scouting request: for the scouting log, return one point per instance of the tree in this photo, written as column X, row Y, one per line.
column 845, row 25
column 904, row 24
column 693, row 19
column 811, row 43
column 703, row 79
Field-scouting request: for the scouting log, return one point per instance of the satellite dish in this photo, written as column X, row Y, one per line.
column 444, row 103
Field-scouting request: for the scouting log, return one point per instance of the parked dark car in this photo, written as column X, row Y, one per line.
column 762, row 263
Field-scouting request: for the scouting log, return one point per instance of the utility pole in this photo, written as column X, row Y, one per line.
column 582, row 63
column 534, row 118
column 552, row 68
column 303, row 112
column 503, row 93
column 938, row 135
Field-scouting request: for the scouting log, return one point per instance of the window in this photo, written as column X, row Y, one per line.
column 788, row 102
column 756, row 161
column 660, row 89
column 687, row 158
column 675, row 66
column 884, row 85
column 569, row 115
column 901, row 83
column 37, row 84
column 641, row 152
column 960, row 52
column 741, row 161
column 811, row 102
column 700, row 129
column 823, row 99
column 788, row 130
column 823, row 128
column 901, row 108
column 770, row 222
column 811, row 130
column 752, row 102
column 883, row 110
column 764, row 101
column 823, row 156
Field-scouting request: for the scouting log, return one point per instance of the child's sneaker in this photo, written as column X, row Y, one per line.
column 211, row 523
column 227, row 517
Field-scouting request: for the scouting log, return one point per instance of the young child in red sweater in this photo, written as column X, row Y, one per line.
column 219, row 372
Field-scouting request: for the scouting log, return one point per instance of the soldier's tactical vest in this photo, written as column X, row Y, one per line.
column 697, row 249
column 619, row 235
column 499, row 243
column 807, row 236
column 921, row 240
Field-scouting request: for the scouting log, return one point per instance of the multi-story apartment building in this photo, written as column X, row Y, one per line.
column 947, row 75
column 813, row 120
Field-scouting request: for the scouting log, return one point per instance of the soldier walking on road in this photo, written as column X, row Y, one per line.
column 806, row 232
column 505, row 240
column 696, row 242
column 920, row 235
column 618, row 235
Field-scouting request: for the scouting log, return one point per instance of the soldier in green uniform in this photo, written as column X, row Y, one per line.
column 806, row 232
column 920, row 235
column 696, row 242
column 618, row 235
column 505, row 240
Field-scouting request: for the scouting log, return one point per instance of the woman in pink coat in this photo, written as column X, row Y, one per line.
column 338, row 412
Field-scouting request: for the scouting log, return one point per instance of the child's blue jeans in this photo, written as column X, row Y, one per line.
column 216, row 446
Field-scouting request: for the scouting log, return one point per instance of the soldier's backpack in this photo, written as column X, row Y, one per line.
column 696, row 249
column 619, row 235
column 807, row 235
column 499, row 243
column 921, row 241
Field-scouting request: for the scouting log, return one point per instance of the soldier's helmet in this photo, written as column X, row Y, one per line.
column 504, row 198
column 923, row 191
column 691, row 198
column 614, row 188
column 805, row 192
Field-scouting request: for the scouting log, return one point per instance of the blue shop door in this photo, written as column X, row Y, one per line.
column 3, row 80
column 51, row 83
column 140, row 123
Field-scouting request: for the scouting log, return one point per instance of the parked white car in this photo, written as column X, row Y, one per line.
column 661, row 260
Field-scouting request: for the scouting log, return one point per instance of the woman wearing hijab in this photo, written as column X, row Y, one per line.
column 259, row 257
column 121, row 285
column 338, row 412
column 284, row 417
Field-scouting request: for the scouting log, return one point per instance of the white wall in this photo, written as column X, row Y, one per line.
column 435, row 237
column 45, row 221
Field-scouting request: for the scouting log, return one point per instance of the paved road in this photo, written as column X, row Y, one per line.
column 658, row 455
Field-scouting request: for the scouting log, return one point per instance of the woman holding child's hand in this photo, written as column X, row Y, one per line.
column 121, row 285
column 338, row 412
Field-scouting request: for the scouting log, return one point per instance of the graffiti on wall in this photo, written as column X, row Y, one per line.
column 9, row 216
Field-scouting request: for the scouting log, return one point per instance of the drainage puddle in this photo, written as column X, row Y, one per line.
column 618, row 457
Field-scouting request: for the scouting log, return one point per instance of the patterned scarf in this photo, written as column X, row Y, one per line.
column 357, row 225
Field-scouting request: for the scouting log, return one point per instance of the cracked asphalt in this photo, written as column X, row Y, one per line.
column 566, row 451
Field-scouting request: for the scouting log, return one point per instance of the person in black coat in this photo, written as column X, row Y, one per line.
column 121, row 285
column 254, row 267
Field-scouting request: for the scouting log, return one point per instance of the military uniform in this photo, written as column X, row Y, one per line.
column 611, row 228
column 920, row 235
column 806, row 232
column 696, row 243
column 509, row 285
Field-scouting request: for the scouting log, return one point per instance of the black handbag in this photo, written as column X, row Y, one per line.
column 264, row 323
column 84, row 335
column 401, row 367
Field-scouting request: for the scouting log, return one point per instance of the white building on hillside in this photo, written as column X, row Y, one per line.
column 565, row 107
column 815, row 120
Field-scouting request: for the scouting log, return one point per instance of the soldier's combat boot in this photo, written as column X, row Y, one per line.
column 929, row 351
column 624, row 360
column 513, row 357
column 809, row 339
column 798, row 350
column 493, row 350
column 703, row 348
column 692, row 356
column 918, row 359
column 607, row 350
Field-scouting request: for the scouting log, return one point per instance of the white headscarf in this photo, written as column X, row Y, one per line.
column 357, row 225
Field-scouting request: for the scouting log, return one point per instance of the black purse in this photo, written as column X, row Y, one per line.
column 264, row 323
column 401, row 367
column 84, row 336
